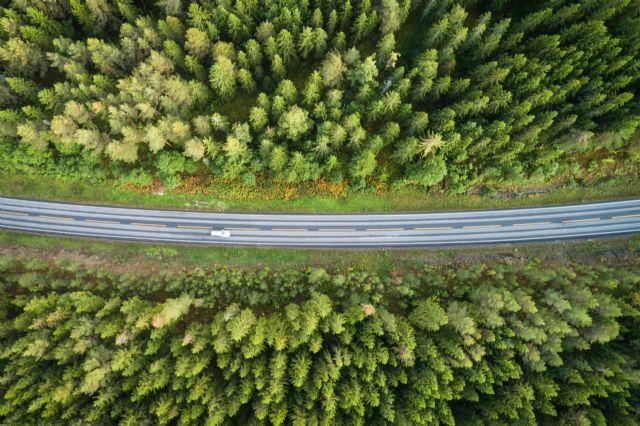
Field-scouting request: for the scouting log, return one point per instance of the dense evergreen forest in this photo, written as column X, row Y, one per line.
column 450, row 93
column 430, row 94
column 498, row 344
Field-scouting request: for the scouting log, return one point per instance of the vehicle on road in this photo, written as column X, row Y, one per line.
column 220, row 233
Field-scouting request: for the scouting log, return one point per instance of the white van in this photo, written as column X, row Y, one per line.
column 220, row 233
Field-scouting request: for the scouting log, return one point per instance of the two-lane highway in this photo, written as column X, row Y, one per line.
column 589, row 220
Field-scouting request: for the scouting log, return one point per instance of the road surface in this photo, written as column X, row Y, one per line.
column 591, row 220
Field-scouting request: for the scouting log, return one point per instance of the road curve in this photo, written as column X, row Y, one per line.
column 589, row 220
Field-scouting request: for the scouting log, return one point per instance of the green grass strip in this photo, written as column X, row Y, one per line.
column 400, row 200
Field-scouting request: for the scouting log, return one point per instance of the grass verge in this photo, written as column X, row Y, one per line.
column 400, row 200
column 149, row 258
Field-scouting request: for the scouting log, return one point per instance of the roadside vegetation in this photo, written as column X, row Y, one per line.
column 152, row 258
column 309, row 198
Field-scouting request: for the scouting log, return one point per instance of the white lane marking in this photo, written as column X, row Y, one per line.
column 148, row 224
column 440, row 228
column 290, row 229
column 13, row 213
column 481, row 226
column 626, row 216
column 100, row 221
column 531, row 224
column 336, row 229
column 193, row 227
column 242, row 229
column 55, row 217
column 385, row 229
column 581, row 220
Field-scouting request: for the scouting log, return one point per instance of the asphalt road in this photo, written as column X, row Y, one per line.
column 590, row 220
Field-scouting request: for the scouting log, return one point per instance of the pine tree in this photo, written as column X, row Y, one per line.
column 22, row 58
column 254, row 54
column 390, row 19
column 363, row 165
column 288, row 91
column 306, row 42
column 320, row 42
column 197, row 43
column 286, row 46
column 236, row 28
column 258, row 118
column 264, row 31
column 294, row 123
column 332, row 69
column 195, row 67
column 246, row 80
column 277, row 66
column 170, row 7
column 222, row 77
column 278, row 160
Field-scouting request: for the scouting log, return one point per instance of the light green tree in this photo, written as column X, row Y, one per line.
column 288, row 91
column 278, row 160
column 390, row 18
column 277, row 66
column 286, row 46
column 258, row 118
column 363, row 165
column 294, row 123
column 254, row 53
column 306, row 42
column 222, row 77
column 332, row 69
column 197, row 43
column 22, row 58
column 120, row 151
column 246, row 80
column 194, row 148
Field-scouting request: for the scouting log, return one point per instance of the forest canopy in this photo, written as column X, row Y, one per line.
column 405, row 92
column 498, row 344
